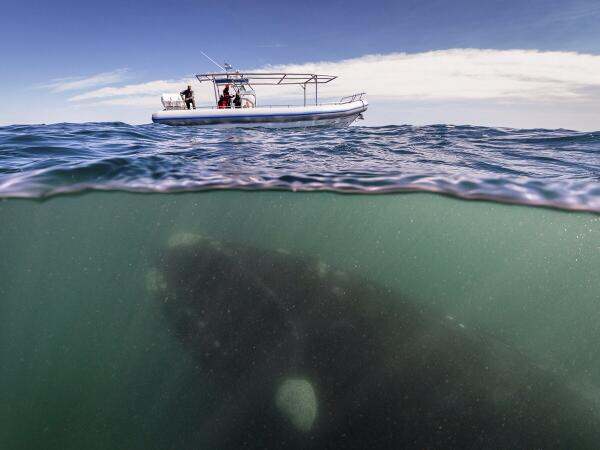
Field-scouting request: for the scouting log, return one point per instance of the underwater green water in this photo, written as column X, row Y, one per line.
column 89, row 361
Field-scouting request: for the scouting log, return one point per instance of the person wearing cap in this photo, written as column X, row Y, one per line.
column 237, row 100
column 188, row 97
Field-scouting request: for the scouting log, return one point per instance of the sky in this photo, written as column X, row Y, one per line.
column 525, row 64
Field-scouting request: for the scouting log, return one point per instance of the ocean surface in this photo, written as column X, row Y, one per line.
column 534, row 167
column 392, row 287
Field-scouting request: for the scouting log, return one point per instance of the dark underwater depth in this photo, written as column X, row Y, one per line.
column 396, row 287
column 304, row 320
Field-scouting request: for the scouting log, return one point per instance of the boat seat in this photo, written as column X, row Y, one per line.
column 172, row 101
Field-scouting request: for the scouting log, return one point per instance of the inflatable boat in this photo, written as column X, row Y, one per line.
column 240, row 109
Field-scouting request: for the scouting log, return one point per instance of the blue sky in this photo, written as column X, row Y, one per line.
column 137, row 42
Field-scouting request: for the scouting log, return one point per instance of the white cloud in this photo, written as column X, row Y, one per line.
column 151, row 87
column 136, row 101
column 516, row 88
column 458, row 74
column 79, row 83
column 463, row 74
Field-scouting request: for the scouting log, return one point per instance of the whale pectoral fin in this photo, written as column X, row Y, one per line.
column 296, row 400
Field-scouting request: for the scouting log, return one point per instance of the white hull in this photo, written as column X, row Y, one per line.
column 336, row 115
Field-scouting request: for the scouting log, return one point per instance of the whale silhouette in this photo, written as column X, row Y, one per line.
column 299, row 355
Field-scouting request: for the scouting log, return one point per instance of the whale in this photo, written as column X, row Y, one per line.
column 300, row 355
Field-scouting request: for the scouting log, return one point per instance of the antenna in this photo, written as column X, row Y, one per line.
column 213, row 61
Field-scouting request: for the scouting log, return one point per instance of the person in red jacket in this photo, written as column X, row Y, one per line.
column 227, row 96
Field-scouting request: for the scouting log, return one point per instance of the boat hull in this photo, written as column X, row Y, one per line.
column 336, row 115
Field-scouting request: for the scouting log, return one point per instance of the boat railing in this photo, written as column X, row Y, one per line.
column 352, row 98
column 343, row 100
column 242, row 108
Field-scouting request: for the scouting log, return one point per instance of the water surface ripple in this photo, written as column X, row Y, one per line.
column 557, row 168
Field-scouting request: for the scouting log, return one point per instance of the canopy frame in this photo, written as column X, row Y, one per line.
column 241, row 79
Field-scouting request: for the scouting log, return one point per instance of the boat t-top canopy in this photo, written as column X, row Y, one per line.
column 264, row 78
column 244, row 81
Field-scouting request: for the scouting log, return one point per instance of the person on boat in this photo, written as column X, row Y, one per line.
column 227, row 96
column 237, row 100
column 221, row 103
column 188, row 97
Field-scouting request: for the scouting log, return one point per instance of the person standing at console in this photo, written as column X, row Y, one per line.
column 188, row 97
column 227, row 96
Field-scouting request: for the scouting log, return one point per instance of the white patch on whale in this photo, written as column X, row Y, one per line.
column 183, row 240
column 297, row 401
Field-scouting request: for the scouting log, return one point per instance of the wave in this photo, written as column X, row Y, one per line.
column 554, row 168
